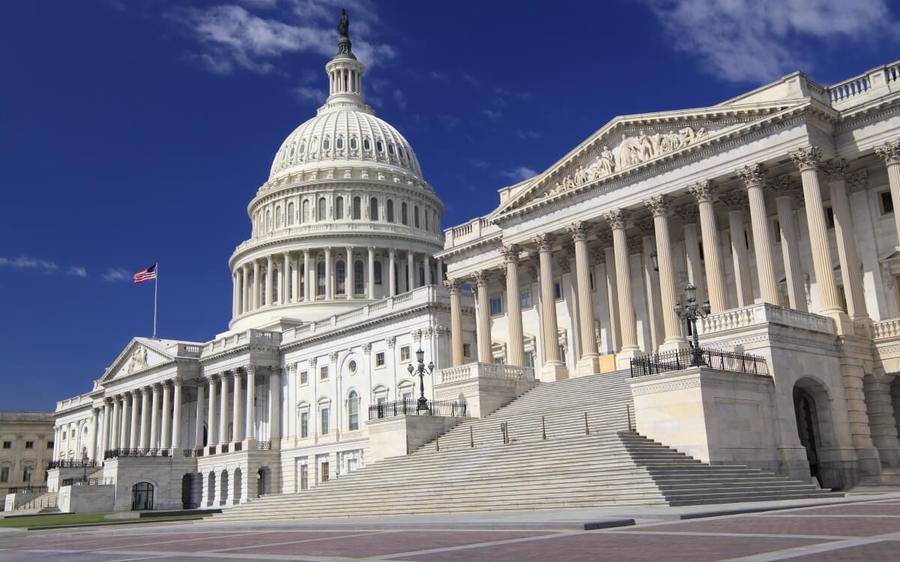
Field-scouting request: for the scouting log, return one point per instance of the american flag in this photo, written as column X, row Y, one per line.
column 145, row 274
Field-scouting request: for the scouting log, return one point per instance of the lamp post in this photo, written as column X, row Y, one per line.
column 420, row 370
column 690, row 311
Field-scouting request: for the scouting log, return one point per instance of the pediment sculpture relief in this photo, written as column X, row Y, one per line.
column 138, row 360
column 631, row 151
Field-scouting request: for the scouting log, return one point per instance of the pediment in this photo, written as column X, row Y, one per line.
column 628, row 143
column 140, row 354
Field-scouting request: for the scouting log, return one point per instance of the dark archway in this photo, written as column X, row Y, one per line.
column 223, row 488
column 815, row 430
column 808, row 429
column 142, row 496
column 211, row 489
column 190, row 488
column 263, row 482
column 238, row 485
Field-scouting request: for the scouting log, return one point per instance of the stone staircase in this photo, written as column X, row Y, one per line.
column 44, row 503
column 589, row 458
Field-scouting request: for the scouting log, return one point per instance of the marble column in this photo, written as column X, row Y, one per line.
column 309, row 278
column 426, row 267
column 514, row 306
column 370, row 283
column 392, row 272
column 659, row 207
column 851, row 269
column 651, row 284
column 348, row 278
column 890, row 155
column 275, row 407
column 284, row 294
column 689, row 214
column 93, row 448
column 123, row 429
column 295, row 280
column 223, row 410
column 553, row 368
column 133, row 436
column 715, row 275
column 410, row 271
column 165, row 432
column 245, row 274
column 235, row 294
column 754, row 178
column 329, row 271
column 211, row 434
column 627, row 323
column 612, row 291
column 198, row 418
column 790, row 250
column 255, row 285
column 176, row 414
column 145, row 418
column 154, row 419
column 236, row 407
column 743, row 286
column 104, row 438
column 588, row 363
column 485, row 353
column 250, row 409
column 270, row 282
column 807, row 160
column 456, row 331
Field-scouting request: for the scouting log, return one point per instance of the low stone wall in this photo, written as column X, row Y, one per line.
column 12, row 501
column 401, row 435
column 484, row 388
column 86, row 499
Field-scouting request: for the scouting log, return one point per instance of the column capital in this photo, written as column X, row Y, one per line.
column 391, row 341
column 615, row 218
column 783, row 185
column 481, row 277
column 605, row 238
column 658, row 205
column 836, row 169
column 734, row 200
column 510, row 253
column 544, row 242
column 367, row 347
column 889, row 152
column 578, row 230
column 269, row 260
column 453, row 285
column 807, row 157
column 753, row 175
column 703, row 191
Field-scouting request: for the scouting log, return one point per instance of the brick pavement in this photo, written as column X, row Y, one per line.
column 868, row 531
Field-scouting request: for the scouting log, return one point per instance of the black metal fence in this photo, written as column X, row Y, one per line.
column 116, row 453
column 27, row 489
column 410, row 408
column 73, row 463
column 681, row 359
column 87, row 482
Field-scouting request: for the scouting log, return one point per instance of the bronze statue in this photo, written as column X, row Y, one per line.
column 344, row 24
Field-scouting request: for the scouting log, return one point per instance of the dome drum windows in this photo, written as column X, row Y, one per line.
column 339, row 208
column 357, row 208
column 322, row 210
column 367, row 144
column 373, row 209
column 390, row 210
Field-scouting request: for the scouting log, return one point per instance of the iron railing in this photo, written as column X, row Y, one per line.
column 141, row 452
column 410, row 408
column 73, row 463
column 27, row 490
column 87, row 482
column 264, row 445
column 680, row 359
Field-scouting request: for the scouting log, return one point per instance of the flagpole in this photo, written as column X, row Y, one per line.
column 155, row 291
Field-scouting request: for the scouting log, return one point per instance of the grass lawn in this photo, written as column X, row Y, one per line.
column 84, row 519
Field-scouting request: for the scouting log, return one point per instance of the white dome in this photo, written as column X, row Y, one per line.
column 344, row 136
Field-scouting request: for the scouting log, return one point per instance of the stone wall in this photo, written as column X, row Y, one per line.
column 86, row 499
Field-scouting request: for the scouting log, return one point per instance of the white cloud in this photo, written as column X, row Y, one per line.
column 116, row 274
column 492, row 114
column 306, row 93
column 235, row 36
column 26, row 262
column 400, row 99
column 528, row 134
column 77, row 271
column 520, row 173
column 761, row 40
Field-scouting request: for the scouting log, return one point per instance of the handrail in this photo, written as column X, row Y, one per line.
column 681, row 359
column 384, row 410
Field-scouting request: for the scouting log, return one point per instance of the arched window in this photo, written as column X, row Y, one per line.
column 357, row 208
column 390, row 210
column 378, row 273
column 353, row 143
column 275, row 286
column 339, row 143
column 403, row 218
column 379, row 146
column 304, row 217
column 321, row 213
column 339, row 208
column 353, row 410
column 268, row 220
column 278, row 221
column 302, row 148
column 302, row 276
column 290, row 216
column 265, row 283
column 359, row 278
column 367, row 145
column 416, row 216
column 340, row 272
column 320, row 280
column 425, row 215
column 373, row 209
column 326, row 144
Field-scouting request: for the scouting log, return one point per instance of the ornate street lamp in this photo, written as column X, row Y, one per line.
column 421, row 370
column 690, row 312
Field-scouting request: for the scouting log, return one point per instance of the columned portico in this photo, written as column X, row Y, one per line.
column 514, row 306
column 627, row 322
column 166, row 431
column 236, row 425
column 890, row 155
column 485, row 353
column 145, row 418
column 249, row 410
column 212, row 435
column 715, row 278
column 588, row 362
column 754, row 178
column 851, row 269
column 223, row 410
column 133, row 437
column 553, row 368
column 659, row 208
column 785, row 195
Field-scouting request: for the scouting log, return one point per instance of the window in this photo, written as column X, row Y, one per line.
column 340, row 274
column 304, row 425
column 379, row 359
column 496, row 303
column 367, row 146
column 829, row 217
column 304, row 377
column 7, row 444
column 359, row 279
column 290, row 217
column 322, row 209
column 379, row 146
column 416, row 216
column 373, row 209
column 426, row 220
column 391, row 149
column 353, row 410
column 378, row 273
column 4, row 474
column 353, row 143
column 351, row 366
column 357, row 208
column 326, row 144
column 339, row 208
column 26, row 473
column 390, row 210
column 557, row 290
column 403, row 218
column 407, row 397
column 29, row 444
column 776, row 228
column 339, row 143
column 304, row 217
column 525, row 297
column 320, row 278
column 404, row 353
column 324, row 424
column 49, row 444
column 302, row 147
column 467, row 350
column 887, row 203
column 323, row 373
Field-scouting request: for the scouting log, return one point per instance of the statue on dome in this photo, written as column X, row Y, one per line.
column 344, row 24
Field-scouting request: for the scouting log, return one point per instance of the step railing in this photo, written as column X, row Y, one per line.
column 452, row 409
column 138, row 452
column 681, row 359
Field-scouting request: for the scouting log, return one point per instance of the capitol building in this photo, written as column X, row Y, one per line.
column 779, row 207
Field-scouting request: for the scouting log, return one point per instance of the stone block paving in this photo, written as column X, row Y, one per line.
column 864, row 530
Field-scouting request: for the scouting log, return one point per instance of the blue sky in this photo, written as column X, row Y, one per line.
column 135, row 131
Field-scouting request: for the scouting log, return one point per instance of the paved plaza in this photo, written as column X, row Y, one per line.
column 860, row 529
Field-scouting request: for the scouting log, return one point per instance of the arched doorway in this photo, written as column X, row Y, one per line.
column 238, row 485
column 262, row 481
column 142, row 496
column 190, row 486
column 808, row 429
column 223, row 496
column 211, row 489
